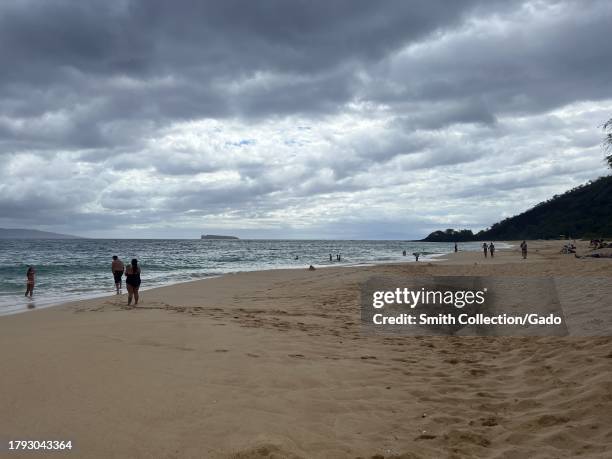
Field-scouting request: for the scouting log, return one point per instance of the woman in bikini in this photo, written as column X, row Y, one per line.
column 30, row 278
column 132, row 281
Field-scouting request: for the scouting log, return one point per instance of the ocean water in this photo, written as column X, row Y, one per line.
column 80, row 268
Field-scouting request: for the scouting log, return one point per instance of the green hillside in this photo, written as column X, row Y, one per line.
column 583, row 212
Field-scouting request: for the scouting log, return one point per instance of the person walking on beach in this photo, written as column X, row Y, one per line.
column 492, row 249
column 117, row 268
column 30, row 280
column 456, row 249
column 132, row 281
column 524, row 249
column 484, row 248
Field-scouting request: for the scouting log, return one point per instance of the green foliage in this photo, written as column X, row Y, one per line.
column 450, row 235
column 583, row 212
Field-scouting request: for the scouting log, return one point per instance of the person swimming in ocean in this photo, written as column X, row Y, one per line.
column 30, row 281
column 132, row 281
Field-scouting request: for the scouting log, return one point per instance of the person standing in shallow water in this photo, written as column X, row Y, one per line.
column 117, row 268
column 30, row 280
column 132, row 281
column 456, row 249
column 485, row 248
column 492, row 249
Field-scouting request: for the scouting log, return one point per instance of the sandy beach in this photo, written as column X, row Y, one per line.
column 274, row 364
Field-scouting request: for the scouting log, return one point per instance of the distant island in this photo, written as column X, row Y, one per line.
column 216, row 236
column 582, row 212
column 21, row 233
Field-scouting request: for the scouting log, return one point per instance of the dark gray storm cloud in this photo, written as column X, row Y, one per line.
column 293, row 116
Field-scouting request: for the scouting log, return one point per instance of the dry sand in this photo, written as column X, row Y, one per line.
column 274, row 364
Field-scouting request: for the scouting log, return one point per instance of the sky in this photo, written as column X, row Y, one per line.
column 347, row 119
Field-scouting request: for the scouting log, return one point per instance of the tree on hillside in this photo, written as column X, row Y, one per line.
column 607, row 127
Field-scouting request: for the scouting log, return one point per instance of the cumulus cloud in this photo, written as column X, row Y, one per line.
column 296, row 119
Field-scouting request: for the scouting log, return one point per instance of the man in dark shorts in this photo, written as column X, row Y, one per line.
column 117, row 268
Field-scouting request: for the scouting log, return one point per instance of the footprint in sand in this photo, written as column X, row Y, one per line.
column 549, row 420
column 267, row 451
column 425, row 437
column 489, row 422
column 477, row 372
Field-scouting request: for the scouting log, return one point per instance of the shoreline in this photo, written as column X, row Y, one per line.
column 112, row 293
column 459, row 257
column 450, row 258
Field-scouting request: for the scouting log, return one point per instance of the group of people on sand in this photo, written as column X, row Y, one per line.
column 132, row 277
column 569, row 248
column 599, row 244
column 490, row 248
column 599, row 249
